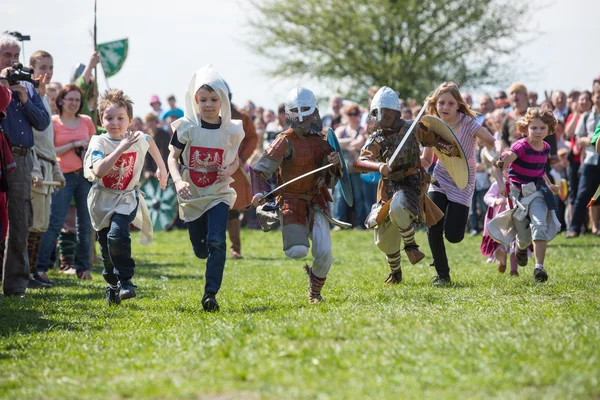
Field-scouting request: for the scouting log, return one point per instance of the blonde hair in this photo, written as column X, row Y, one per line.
column 118, row 98
column 517, row 87
column 37, row 56
column 545, row 116
column 452, row 88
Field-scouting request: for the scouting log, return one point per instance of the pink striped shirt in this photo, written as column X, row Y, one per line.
column 466, row 137
column 530, row 164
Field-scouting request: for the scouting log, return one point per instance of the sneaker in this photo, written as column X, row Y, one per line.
column 540, row 275
column 514, row 273
column 473, row 232
column 126, row 290
column 42, row 277
column 521, row 257
column 441, row 282
column 394, row 278
column 85, row 275
column 236, row 256
column 112, row 296
column 209, row 302
column 67, row 269
column 35, row 284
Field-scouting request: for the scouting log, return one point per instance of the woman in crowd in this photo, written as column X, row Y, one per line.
column 351, row 141
column 72, row 133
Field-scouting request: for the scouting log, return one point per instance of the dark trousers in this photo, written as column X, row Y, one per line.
column 207, row 235
column 478, row 210
column 115, row 249
column 452, row 225
column 15, row 262
column 588, row 183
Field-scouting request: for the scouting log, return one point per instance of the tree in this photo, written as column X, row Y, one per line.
column 409, row 45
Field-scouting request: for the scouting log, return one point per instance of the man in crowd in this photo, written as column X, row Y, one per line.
column 26, row 111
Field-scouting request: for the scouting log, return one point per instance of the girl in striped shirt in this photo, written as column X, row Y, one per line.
column 447, row 103
column 530, row 189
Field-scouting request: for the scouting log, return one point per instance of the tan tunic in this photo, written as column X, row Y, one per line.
column 206, row 150
column 116, row 192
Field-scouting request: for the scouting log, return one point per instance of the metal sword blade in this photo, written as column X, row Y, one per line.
column 407, row 134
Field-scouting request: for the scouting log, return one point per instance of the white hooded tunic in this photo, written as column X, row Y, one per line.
column 117, row 192
column 206, row 150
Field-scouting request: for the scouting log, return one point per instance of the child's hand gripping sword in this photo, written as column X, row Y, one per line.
column 270, row 195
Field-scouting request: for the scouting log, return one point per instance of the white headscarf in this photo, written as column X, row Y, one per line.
column 206, row 75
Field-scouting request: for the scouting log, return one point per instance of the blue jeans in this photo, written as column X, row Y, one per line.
column 588, row 183
column 207, row 235
column 115, row 248
column 341, row 210
column 76, row 187
column 477, row 204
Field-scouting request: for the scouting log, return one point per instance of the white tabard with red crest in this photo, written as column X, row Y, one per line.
column 115, row 192
column 206, row 150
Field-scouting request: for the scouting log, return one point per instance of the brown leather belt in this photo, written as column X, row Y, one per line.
column 40, row 157
column 20, row 151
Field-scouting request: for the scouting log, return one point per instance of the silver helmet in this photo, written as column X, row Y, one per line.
column 297, row 99
column 384, row 98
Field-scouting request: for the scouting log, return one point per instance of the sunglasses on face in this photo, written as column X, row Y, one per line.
column 353, row 114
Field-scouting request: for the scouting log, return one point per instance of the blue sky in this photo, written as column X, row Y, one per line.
column 169, row 40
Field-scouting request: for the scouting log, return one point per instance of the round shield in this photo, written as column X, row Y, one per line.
column 370, row 177
column 344, row 183
column 162, row 204
column 457, row 167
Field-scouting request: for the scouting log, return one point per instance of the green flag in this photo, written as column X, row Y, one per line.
column 113, row 55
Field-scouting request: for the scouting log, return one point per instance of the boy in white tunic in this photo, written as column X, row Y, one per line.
column 113, row 163
column 205, row 147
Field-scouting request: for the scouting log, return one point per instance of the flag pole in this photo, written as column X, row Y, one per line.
column 95, row 115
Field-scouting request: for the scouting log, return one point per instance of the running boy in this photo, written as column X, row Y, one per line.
column 205, row 146
column 113, row 163
column 533, row 216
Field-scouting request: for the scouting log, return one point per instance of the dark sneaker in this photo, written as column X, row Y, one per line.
column 394, row 278
column 42, row 277
column 209, row 303
column 540, row 275
column 441, row 282
column 521, row 257
column 126, row 290
column 35, row 284
column 112, row 296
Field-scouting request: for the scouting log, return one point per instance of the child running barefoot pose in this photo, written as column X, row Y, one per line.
column 113, row 163
column 533, row 216
column 206, row 141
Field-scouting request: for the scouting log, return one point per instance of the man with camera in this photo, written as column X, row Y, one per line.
column 26, row 111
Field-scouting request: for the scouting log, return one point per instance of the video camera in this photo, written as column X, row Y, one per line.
column 20, row 74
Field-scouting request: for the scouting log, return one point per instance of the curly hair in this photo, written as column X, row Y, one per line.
column 118, row 98
column 545, row 116
column 452, row 88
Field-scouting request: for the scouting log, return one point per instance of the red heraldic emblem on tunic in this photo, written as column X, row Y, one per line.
column 121, row 173
column 206, row 162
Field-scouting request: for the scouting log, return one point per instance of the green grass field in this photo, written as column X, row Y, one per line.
column 488, row 336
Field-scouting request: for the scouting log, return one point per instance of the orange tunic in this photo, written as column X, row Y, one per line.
column 241, row 182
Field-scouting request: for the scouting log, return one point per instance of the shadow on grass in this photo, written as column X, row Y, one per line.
column 20, row 316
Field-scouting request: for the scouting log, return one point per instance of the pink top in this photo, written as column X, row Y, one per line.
column 530, row 164
column 466, row 137
column 70, row 161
